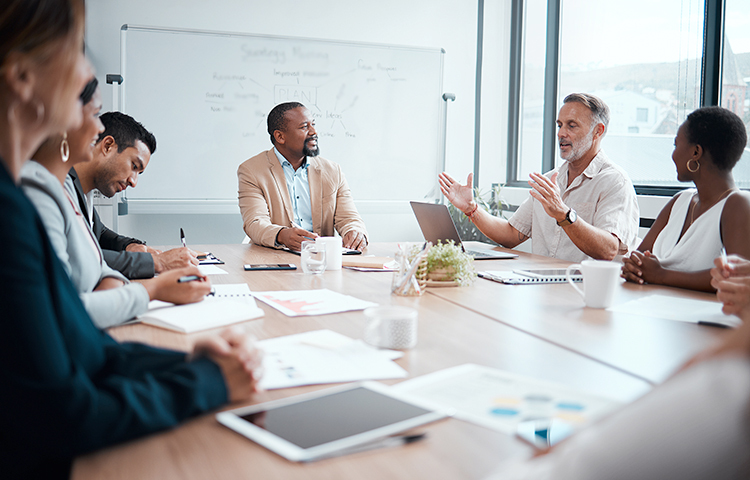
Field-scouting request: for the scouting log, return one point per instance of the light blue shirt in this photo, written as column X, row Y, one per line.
column 299, row 191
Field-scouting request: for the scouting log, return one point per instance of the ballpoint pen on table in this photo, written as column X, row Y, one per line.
column 182, row 238
column 395, row 441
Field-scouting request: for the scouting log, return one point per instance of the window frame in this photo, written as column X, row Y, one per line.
column 710, row 88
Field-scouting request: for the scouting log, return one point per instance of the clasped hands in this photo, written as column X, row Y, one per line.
column 238, row 357
column 641, row 267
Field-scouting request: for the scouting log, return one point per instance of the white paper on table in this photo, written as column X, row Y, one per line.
column 323, row 356
column 294, row 303
column 500, row 400
column 678, row 309
column 212, row 270
column 194, row 317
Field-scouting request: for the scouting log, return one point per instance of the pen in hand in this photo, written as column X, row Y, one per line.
column 182, row 238
column 294, row 225
column 190, row 278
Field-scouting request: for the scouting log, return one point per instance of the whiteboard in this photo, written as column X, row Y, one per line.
column 205, row 96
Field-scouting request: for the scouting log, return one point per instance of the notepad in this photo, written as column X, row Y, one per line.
column 229, row 304
column 369, row 262
column 211, row 270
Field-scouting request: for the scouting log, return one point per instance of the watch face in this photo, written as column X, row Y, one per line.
column 572, row 216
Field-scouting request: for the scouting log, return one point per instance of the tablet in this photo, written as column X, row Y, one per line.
column 306, row 427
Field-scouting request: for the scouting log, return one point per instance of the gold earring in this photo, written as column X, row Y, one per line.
column 697, row 163
column 65, row 148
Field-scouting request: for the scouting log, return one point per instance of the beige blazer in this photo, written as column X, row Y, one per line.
column 266, row 207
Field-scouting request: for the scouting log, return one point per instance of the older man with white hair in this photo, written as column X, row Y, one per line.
column 585, row 208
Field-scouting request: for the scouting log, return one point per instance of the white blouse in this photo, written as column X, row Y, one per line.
column 700, row 245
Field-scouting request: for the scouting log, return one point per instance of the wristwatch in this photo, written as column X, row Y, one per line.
column 570, row 217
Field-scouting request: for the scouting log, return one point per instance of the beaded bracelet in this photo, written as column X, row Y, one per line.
column 473, row 212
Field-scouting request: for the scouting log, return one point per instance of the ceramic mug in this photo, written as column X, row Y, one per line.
column 600, row 280
column 391, row 327
column 333, row 247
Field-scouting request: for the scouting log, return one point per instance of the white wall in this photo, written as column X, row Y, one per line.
column 447, row 24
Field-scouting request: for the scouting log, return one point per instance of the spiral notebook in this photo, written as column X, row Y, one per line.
column 227, row 304
column 531, row 276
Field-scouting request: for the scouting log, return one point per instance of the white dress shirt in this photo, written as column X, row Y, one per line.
column 602, row 195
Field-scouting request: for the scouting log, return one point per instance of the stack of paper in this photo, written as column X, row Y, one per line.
column 229, row 304
column 324, row 356
column 295, row 303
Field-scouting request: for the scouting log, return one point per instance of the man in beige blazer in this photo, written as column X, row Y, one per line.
column 289, row 194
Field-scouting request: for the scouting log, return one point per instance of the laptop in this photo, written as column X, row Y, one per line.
column 436, row 224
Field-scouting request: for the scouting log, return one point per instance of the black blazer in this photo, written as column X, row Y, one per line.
column 131, row 264
column 66, row 387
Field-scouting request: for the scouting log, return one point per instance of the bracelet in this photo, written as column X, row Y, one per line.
column 473, row 212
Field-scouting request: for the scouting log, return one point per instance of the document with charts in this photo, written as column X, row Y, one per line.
column 295, row 303
column 501, row 400
column 324, row 356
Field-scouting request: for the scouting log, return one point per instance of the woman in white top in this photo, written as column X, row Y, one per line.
column 109, row 297
column 697, row 223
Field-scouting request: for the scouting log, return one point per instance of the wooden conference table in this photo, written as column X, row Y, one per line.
column 541, row 331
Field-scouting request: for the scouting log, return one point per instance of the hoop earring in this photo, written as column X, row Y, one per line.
column 39, row 110
column 65, row 148
column 697, row 167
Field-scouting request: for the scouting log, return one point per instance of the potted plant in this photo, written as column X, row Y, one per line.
column 446, row 264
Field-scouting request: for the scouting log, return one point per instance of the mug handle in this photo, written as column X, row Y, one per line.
column 570, row 281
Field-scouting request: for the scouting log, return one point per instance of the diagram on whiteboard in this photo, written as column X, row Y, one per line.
column 206, row 95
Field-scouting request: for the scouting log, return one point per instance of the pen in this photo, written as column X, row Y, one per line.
column 182, row 238
column 297, row 226
column 189, row 278
column 396, row 441
column 724, row 260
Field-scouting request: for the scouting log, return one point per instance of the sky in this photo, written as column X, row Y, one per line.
column 605, row 33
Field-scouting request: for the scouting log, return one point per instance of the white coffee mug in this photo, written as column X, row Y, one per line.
column 333, row 246
column 600, row 280
column 391, row 326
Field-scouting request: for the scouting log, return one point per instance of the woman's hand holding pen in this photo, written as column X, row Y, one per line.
column 166, row 287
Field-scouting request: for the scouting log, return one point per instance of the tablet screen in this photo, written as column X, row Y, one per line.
column 332, row 417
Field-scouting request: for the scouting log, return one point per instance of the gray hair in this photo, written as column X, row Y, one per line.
column 599, row 109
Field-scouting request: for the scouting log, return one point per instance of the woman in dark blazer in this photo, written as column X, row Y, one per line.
column 67, row 388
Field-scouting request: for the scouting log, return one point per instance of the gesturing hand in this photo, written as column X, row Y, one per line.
column 461, row 196
column 548, row 193
column 240, row 361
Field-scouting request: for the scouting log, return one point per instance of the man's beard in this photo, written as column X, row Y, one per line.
column 311, row 152
column 578, row 149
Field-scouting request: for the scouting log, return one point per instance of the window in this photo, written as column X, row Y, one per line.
column 646, row 61
column 736, row 74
